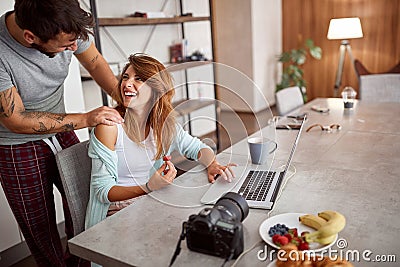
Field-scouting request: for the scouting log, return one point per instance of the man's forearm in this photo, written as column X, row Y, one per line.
column 14, row 117
column 103, row 76
column 98, row 68
column 44, row 122
column 106, row 80
column 38, row 122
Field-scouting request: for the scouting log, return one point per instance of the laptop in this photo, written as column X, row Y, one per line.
column 259, row 186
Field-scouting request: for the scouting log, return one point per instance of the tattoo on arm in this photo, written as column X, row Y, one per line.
column 94, row 59
column 68, row 127
column 46, row 128
column 45, row 122
column 42, row 128
column 7, row 103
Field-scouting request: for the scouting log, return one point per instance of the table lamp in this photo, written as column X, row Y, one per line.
column 343, row 29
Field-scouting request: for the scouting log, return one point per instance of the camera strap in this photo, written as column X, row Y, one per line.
column 178, row 245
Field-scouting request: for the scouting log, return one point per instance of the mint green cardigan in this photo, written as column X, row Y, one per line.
column 105, row 172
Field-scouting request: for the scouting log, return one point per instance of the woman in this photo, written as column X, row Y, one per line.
column 127, row 159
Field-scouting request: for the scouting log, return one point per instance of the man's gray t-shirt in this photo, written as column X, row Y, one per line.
column 38, row 79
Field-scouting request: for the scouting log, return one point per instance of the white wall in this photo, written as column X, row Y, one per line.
column 9, row 230
column 249, row 37
column 267, row 43
column 6, row 5
column 73, row 95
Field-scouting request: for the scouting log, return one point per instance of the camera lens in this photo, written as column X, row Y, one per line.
column 235, row 204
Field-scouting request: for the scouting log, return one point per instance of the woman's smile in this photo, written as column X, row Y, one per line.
column 129, row 93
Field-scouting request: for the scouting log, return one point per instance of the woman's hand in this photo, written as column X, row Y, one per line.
column 158, row 181
column 225, row 172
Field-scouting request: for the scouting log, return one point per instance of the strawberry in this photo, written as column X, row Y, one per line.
column 275, row 238
column 289, row 236
column 304, row 233
column 282, row 240
column 304, row 246
column 166, row 158
column 293, row 232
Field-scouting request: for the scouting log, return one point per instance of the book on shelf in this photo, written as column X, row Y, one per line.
column 178, row 51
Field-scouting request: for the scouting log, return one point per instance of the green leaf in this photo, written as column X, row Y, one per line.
column 316, row 52
column 284, row 57
column 298, row 56
column 301, row 60
column 292, row 74
column 309, row 43
column 295, row 72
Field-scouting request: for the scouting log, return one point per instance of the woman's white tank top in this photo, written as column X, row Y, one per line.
column 134, row 160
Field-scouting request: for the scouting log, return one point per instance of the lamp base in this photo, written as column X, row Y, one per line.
column 344, row 46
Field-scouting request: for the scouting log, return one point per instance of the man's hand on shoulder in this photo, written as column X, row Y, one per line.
column 103, row 115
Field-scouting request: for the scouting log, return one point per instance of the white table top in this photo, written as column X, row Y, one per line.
column 355, row 171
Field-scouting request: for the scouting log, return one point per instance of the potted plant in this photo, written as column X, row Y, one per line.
column 292, row 74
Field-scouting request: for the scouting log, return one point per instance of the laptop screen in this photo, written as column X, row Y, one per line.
column 294, row 145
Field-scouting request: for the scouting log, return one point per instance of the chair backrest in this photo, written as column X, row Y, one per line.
column 378, row 87
column 288, row 99
column 75, row 166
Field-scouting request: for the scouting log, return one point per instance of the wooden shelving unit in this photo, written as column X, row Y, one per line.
column 186, row 65
column 183, row 107
column 132, row 21
column 187, row 106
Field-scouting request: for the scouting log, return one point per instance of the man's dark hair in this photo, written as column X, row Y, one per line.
column 47, row 18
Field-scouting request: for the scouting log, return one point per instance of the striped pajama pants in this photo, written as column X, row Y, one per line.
column 27, row 174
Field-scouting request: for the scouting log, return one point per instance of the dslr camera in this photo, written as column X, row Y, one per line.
column 218, row 230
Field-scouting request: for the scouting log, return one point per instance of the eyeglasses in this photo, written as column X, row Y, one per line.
column 288, row 126
column 325, row 128
column 287, row 122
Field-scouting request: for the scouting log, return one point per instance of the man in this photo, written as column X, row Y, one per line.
column 37, row 41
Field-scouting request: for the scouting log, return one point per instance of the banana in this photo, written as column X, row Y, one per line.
column 322, row 240
column 335, row 223
column 327, row 232
column 326, row 240
column 312, row 221
column 328, row 214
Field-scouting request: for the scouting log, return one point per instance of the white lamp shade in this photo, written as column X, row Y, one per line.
column 345, row 28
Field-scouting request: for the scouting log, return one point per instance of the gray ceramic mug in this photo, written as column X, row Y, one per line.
column 260, row 149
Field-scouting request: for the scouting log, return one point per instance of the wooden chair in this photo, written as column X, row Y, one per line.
column 288, row 99
column 378, row 87
column 75, row 167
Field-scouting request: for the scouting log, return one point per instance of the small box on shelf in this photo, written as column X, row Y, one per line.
column 178, row 51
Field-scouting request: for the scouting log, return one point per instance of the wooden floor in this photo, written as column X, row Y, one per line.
column 234, row 127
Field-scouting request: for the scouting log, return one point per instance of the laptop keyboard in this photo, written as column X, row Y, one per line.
column 256, row 185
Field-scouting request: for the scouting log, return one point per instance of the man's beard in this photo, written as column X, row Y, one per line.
column 42, row 50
